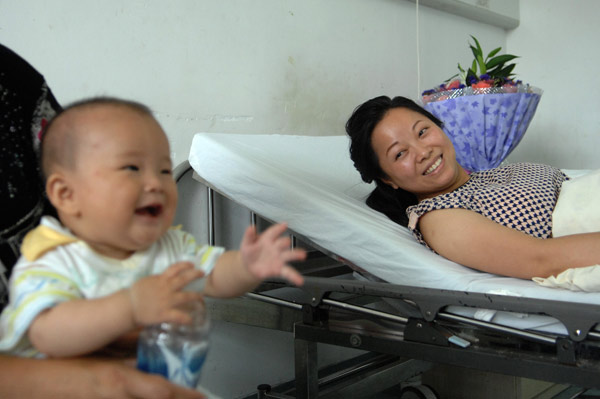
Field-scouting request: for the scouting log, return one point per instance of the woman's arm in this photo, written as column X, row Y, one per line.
column 473, row 240
column 82, row 378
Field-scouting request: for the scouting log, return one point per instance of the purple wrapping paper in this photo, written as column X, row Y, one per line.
column 485, row 128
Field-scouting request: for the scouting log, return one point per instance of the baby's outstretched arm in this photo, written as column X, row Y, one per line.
column 85, row 325
column 260, row 256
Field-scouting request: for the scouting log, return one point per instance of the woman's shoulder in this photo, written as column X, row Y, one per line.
column 527, row 166
column 517, row 171
column 459, row 198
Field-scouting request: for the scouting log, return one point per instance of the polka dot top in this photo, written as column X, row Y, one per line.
column 520, row 196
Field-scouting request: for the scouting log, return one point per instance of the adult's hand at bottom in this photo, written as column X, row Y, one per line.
column 88, row 378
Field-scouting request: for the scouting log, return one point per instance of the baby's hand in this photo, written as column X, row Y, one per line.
column 267, row 255
column 160, row 298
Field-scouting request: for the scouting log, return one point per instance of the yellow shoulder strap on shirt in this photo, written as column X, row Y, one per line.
column 41, row 240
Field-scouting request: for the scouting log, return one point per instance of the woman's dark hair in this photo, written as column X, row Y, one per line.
column 385, row 199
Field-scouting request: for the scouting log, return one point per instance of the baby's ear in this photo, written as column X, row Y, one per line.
column 61, row 194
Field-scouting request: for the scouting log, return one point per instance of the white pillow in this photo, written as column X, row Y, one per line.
column 577, row 211
column 578, row 207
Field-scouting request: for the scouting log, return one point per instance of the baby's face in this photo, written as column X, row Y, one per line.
column 126, row 192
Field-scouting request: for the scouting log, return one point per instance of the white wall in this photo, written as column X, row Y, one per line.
column 243, row 66
column 558, row 42
column 301, row 66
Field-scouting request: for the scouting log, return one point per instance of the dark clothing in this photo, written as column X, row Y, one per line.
column 26, row 105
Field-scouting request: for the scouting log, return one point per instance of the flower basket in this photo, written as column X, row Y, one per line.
column 485, row 111
column 484, row 124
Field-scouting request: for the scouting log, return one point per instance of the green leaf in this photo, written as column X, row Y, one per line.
column 475, row 52
column 498, row 67
column 509, row 70
column 505, row 72
column 493, row 53
column 501, row 59
column 482, row 67
column 480, row 51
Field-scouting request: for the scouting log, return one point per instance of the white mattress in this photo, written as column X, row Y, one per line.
column 310, row 183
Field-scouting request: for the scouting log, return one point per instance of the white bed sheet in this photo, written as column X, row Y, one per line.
column 310, row 183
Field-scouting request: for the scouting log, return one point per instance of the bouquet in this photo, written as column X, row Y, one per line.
column 484, row 110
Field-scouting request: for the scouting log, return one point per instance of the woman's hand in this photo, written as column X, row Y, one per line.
column 118, row 380
column 89, row 378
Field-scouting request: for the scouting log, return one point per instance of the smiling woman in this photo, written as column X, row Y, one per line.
column 475, row 219
column 421, row 159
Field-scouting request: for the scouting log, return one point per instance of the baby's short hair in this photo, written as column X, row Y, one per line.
column 59, row 138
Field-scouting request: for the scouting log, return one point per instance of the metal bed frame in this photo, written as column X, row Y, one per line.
column 413, row 331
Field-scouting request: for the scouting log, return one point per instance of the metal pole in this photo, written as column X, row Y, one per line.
column 211, row 215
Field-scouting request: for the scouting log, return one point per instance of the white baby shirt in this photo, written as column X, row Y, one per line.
column 67, row 268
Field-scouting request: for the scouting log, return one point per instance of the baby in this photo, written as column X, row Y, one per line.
column 112, row 263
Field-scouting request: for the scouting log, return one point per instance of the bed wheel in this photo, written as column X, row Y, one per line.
column 418, row 392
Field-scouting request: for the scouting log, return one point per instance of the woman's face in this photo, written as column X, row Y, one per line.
column 415, row 154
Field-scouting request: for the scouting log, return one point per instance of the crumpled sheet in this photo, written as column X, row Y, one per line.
column 577, row 211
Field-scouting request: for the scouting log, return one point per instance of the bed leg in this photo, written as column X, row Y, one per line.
column 306, row 366
column 265, row 392
column 210, row 200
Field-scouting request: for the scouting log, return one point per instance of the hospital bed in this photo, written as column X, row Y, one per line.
column 370, row 285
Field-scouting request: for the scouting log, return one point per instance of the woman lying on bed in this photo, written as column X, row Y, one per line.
column 498, row 221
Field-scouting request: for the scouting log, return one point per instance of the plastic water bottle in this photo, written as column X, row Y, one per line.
column 176, row 351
